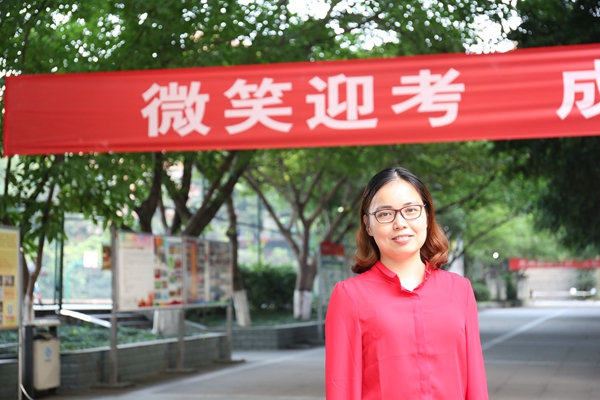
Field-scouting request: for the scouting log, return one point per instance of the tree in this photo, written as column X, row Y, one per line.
column 54, row 36
column 567, row 167
column 306, row 181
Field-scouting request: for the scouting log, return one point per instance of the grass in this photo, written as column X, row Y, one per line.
column 87, row 336
column 84, row 336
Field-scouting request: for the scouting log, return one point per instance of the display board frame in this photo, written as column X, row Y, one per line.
column 144, row 261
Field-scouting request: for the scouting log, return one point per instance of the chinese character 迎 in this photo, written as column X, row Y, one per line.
column 179, row 108
column 254, row 107
column 573, row 83
column 433, row 93
column 335, row 107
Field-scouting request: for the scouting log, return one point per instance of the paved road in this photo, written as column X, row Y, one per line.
column 541, row 353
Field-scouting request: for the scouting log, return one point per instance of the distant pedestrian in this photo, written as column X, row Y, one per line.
column 37, row 294
column 403, row 328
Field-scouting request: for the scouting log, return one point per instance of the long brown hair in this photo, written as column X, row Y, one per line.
column 435, row 249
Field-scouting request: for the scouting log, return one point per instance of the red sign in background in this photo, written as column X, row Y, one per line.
column 530, row 93
column 331, row 249
column 521, row 263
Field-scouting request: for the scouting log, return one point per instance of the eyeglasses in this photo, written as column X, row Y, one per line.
column 388, row 215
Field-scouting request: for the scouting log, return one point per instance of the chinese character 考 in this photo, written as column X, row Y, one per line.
column 176, row 107
column 432, row 93
column 586, row 83
column 353, row 106
column 252, row 104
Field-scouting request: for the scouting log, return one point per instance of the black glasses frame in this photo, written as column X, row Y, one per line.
column 399, row 210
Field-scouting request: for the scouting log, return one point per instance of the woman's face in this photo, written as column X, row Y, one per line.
column 400, row 240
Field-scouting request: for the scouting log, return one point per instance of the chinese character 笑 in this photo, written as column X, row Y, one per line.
column 433, row 93
column 352, row 106
column 253, row 102
column 179, row 108
column 575, row 82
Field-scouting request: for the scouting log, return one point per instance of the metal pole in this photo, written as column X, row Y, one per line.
column 181, row 330
column 61, row 265
column 20, row 319
column 229, row 331
column 180, row 342
column 259, row 223
column 114, row 362
column 320, row 298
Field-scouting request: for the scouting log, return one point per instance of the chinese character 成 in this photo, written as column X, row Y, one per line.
column 353, row 106
column 586, row 83
column 253, row 102
column 432, row 93
column 177, row 107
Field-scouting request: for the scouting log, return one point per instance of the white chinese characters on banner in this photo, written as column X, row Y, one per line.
column 586, row 83
column 352, row 106
column 342, row 103
column 433, row 93
column 253, row 104
column 175, row 107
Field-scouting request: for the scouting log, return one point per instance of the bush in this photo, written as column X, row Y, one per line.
column 268, row 287
column 482, row 292
column 585, row 279
column 511, row 288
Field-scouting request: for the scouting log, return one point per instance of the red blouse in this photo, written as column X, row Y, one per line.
column 384, row 342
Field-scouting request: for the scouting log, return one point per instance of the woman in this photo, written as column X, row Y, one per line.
column 403, row 328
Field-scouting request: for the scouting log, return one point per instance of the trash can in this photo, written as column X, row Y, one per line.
column 41, row 356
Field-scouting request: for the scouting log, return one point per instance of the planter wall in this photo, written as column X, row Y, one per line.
column 276, row 337
column 81, row 369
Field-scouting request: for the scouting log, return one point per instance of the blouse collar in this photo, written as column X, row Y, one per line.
column 391, row 276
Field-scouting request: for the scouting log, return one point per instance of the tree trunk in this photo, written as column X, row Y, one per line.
column 307, row 271
column 147, row 209
column 209, row 208
column 29, row 282
column 240, row 298
column 165, row 322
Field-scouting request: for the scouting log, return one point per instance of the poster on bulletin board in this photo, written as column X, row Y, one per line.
column 135, row 266
column 168, row 271
column 9, row 278
column 155, row 271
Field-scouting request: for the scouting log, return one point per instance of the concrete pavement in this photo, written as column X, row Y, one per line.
column 541, row 353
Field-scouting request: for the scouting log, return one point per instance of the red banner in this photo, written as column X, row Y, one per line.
column 515, row 264
column 531, row 93
column 332, row 249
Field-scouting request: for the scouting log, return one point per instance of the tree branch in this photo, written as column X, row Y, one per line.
column 467, row 198
column 478, row 236
column 285, row 231
column 341, row 217
column 323, row 202
column 313, row 183
column 209, row 209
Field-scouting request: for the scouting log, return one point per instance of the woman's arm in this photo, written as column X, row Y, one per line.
column 476, row 379
column 343, row 347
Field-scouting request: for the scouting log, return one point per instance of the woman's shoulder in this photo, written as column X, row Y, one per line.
column 451, row 278
column 355, row 281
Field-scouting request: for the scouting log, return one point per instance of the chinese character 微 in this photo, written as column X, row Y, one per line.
column 433, row 93
column 586, row 83
column 352, row 106
column 254, row 108
column 179, row 108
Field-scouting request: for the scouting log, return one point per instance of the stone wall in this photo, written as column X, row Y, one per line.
column 275, row 337
column 82, row 369
column 8, row 379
